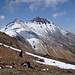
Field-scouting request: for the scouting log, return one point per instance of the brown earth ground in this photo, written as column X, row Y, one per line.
column 11, row 57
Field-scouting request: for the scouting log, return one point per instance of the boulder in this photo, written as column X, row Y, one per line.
column 31, row 64
column 1, row 67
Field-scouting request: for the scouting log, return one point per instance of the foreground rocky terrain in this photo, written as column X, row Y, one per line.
column 12, row 58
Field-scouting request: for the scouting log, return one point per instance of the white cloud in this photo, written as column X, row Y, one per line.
column 53, row 3
column 2, row 17
column 58, row 14
column 33, row 4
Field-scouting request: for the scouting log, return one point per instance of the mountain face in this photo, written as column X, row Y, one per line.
column 43, row 37
column 12, row 42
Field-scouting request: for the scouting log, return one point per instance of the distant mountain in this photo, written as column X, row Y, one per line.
column 42, row 36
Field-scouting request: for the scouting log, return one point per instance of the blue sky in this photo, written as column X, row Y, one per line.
column 61, row 12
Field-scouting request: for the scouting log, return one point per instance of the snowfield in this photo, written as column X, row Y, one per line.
column 10, row 47
column 52, row 62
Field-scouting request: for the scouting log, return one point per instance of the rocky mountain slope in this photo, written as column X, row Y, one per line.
column 41, row 36
column 11, row 61
column 13, row 42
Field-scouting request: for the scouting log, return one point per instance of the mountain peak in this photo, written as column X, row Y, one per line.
column 16, row 20
column 40, row 20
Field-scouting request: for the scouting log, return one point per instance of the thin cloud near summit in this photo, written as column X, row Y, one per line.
column 59, row 14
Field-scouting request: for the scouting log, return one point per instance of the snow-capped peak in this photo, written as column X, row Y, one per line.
column 39, row 26
column 40, row 20
column 39, row 32
column 17, row 20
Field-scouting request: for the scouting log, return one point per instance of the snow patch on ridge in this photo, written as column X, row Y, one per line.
column 37, row 45
column 52, row 62
column 10, row 47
